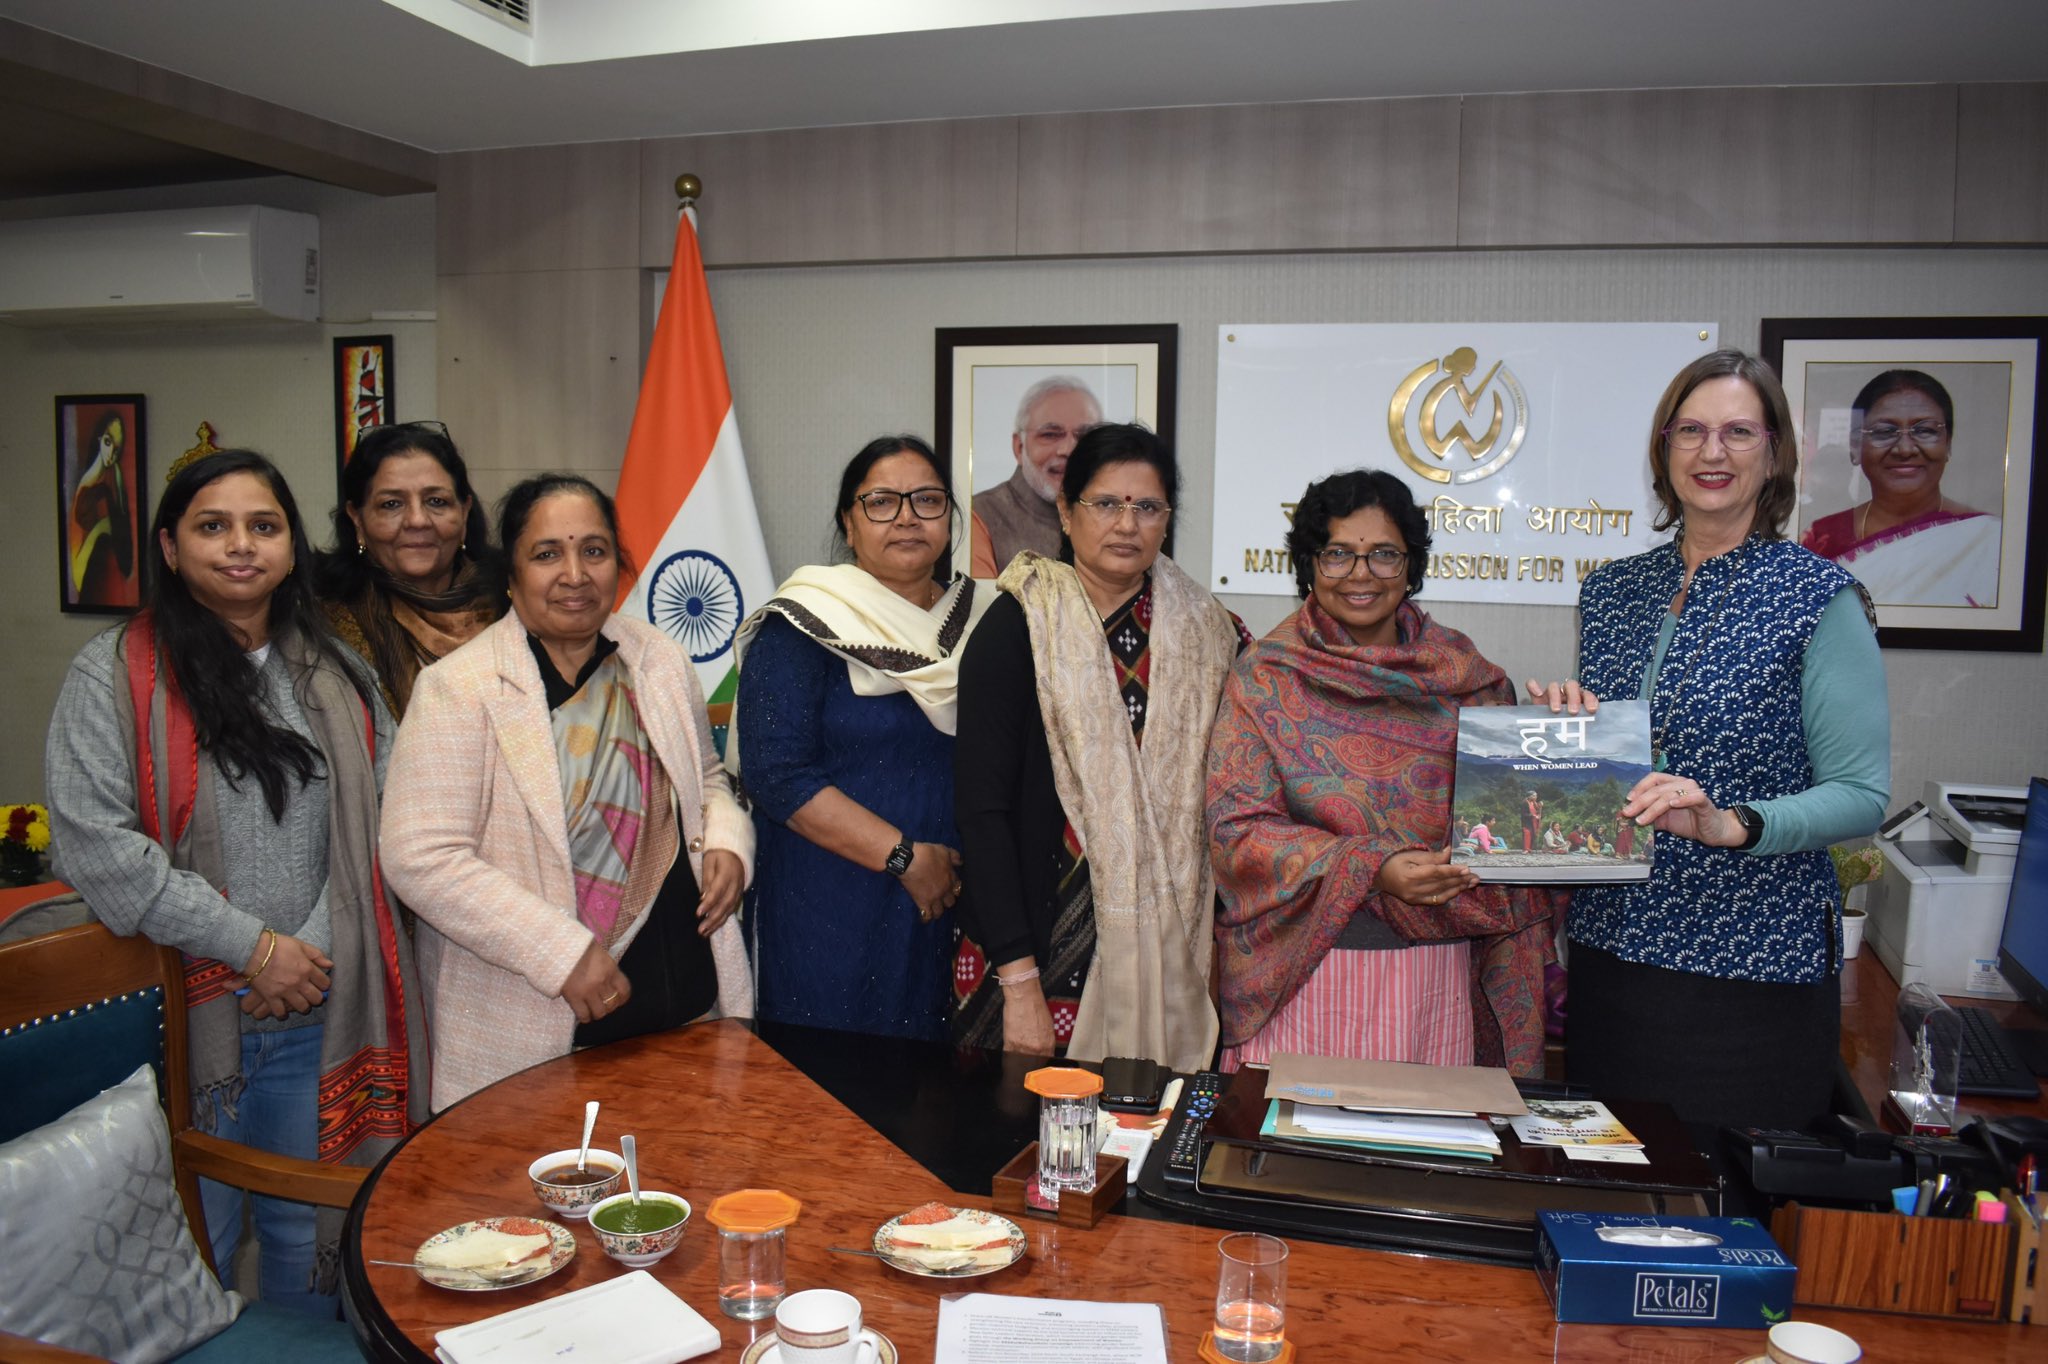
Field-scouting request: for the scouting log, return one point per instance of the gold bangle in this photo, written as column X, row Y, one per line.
column 269, row 952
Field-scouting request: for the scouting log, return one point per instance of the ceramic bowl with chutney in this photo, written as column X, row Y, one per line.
column 638, row 1235
column 571, row 1193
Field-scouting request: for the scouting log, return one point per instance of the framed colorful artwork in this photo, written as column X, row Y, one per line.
column 1920, row 470
column 101, row 503
column 363, row 395
column 1011, row 401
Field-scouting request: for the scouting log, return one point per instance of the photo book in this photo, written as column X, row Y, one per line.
column 1538, row 796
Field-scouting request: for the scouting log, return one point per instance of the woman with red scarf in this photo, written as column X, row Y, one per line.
column 1344, row 928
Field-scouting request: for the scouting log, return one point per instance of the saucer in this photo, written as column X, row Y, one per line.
column 875, row 1348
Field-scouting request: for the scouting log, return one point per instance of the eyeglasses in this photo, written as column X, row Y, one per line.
column 435, row 427
column 1335, row 561
column 1885, row 435
column 886, row 504
column 1737, row 437
column 1053, row 435
column 1107, row 511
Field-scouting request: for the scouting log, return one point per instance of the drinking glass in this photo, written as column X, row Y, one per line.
column 752, row 1250
column 1067, row 1100
column 1251, row 1296
column 751, row 1276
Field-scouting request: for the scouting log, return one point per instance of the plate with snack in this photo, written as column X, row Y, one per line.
column 939, row 1242
column 494, row 1252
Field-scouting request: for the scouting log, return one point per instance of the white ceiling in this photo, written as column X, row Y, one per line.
column 722, row 65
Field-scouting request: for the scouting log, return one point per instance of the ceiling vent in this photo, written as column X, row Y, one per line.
column 516, row 14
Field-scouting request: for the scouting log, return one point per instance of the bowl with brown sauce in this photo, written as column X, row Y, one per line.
column 569, row 1192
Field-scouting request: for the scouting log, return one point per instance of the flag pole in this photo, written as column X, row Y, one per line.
column 688, row 188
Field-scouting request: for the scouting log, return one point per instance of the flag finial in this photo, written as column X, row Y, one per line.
column 688, row 187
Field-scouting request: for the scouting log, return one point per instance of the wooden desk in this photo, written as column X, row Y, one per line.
column 716, row 1109
column 1870, row 998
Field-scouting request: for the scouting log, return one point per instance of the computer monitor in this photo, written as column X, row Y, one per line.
column 2023, row 946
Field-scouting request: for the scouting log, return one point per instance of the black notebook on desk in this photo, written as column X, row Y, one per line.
column 1504, row 1195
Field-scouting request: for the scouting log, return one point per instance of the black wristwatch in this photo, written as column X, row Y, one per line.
column 899, row 858
column 1752, row 825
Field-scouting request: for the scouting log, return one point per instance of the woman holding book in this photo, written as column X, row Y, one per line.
column 1712, row 986
column 1344, row 928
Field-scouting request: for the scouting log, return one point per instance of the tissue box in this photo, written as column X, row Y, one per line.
column 1624, row 1269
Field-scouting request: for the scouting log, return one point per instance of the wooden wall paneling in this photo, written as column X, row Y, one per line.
column 569, row 207
column 1803, row 165
column 876, row 192
column 541, row 370
column 1338, row 175
column 2002, row 164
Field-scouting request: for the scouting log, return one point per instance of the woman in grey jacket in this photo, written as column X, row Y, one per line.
column 213, row 772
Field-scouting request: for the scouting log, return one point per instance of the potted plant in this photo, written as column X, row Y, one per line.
column 1855, row 864
column 24, row 837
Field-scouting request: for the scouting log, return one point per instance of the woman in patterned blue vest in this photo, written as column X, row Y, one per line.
column 1713, row 986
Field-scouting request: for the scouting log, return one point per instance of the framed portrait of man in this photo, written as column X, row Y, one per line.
column 1011, row 403
column 1918, row 472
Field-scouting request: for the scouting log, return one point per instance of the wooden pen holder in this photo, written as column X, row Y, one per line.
column 1923, row 1266
column 1007, row 1190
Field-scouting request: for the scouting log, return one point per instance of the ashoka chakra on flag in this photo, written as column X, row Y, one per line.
column 696, row 598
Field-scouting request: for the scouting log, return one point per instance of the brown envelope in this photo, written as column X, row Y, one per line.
column 1346, row 1082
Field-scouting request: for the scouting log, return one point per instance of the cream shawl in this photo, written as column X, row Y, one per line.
column 889, row 645
column 1138, row 810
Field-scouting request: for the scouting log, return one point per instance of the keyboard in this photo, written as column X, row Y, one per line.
column 1991, row 1064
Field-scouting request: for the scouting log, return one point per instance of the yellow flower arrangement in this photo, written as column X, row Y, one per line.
column 24, row 837
column 24, row 829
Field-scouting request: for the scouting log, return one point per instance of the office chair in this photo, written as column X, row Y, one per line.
column 80, row 1010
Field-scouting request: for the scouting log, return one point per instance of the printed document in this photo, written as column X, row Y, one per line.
column 993, row 1328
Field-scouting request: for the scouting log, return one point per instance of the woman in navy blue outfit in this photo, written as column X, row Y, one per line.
column 844, row 742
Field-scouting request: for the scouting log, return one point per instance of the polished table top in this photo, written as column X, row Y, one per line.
column 715, row 1108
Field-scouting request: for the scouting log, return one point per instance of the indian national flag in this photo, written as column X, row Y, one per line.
column 686, row 509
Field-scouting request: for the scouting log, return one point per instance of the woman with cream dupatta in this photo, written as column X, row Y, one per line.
column 844, row 741
column 1086, row 701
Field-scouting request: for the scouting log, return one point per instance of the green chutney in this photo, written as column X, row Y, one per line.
column 630, row 1219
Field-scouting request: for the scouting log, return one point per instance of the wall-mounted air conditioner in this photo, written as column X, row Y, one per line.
column 177, row 265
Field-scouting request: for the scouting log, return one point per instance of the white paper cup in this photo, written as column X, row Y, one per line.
column 818, row 1326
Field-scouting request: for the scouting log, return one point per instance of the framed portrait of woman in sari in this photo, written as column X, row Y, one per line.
column 101, row 503
column 1919, row 469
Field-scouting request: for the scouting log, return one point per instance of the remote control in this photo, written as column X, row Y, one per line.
column 1184, row 1144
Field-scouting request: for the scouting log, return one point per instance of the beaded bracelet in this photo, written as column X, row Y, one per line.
column 268, row 953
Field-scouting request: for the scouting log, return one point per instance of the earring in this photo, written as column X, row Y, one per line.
column 359, row 549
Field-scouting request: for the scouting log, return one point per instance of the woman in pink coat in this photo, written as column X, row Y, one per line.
column 557, row 817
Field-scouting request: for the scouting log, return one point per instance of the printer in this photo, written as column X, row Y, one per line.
column 1937, row 912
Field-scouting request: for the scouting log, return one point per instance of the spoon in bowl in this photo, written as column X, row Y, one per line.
column 632, row 1167
column 589, row 1126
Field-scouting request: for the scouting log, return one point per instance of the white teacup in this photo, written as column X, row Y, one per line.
column 1807, row 1342
column 818, row 1326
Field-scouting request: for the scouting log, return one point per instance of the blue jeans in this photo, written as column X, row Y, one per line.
column 279, row 1112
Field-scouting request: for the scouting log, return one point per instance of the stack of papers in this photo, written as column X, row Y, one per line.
column 1389, row 1106
column 1466, row 1137
column 632, row 1319
column 1583, row 1129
